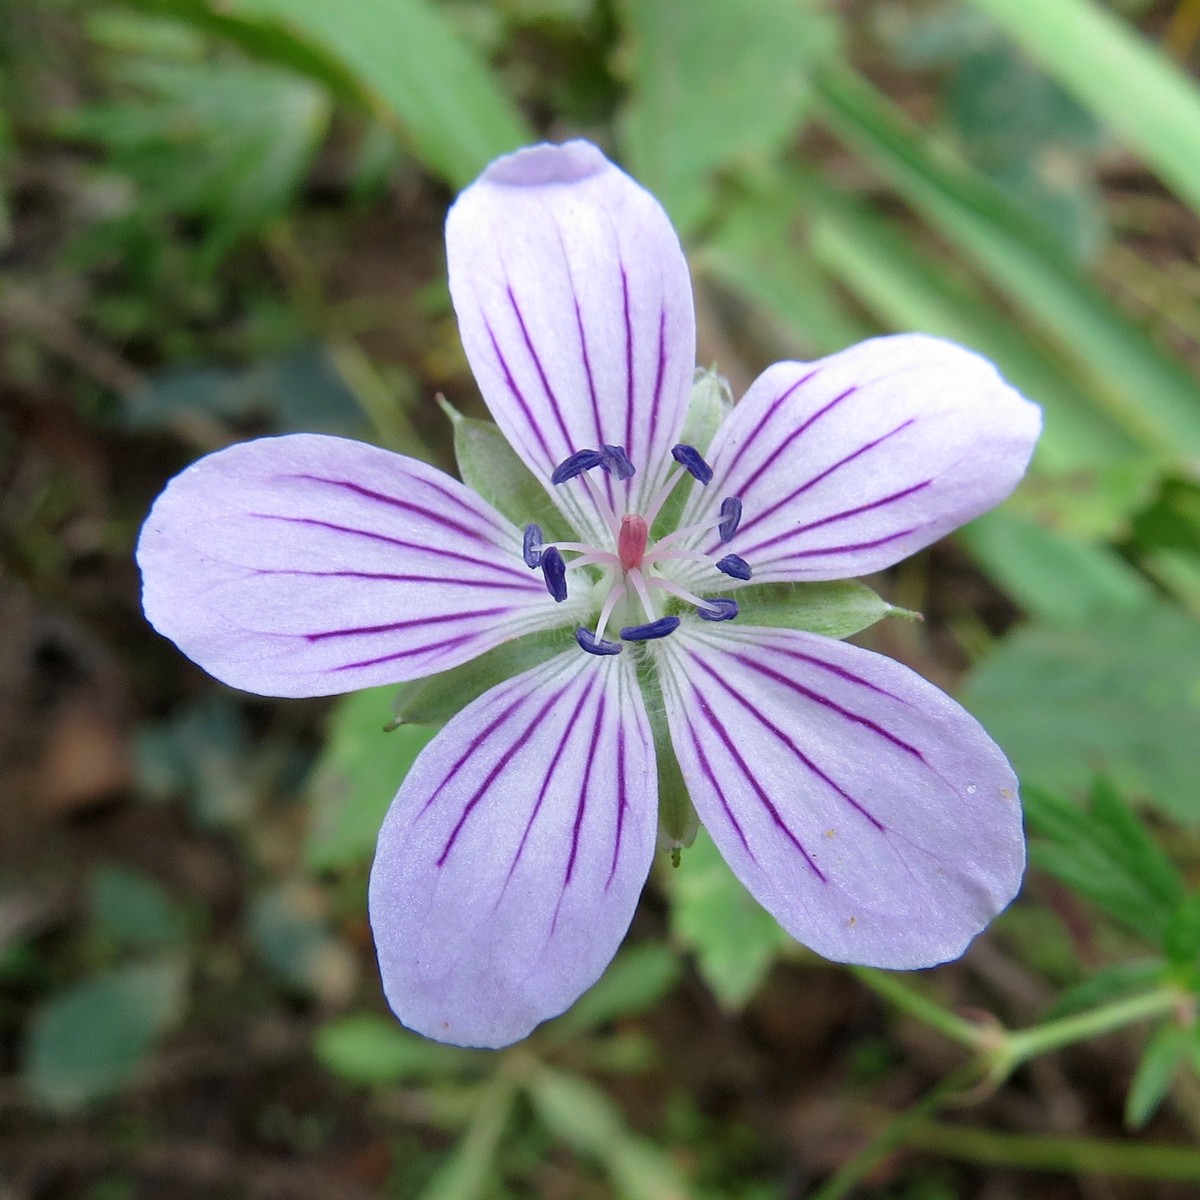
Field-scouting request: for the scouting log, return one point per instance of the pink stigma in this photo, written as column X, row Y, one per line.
column 631, row 541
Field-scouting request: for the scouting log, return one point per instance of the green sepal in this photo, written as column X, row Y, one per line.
column 437, row 698
column 836, row 609
column 678, row 823
column 490, row 466
column 711, row 402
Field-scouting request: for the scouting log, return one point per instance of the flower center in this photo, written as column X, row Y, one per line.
column 632, row 578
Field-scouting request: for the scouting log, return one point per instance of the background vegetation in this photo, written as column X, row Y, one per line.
column 220, row 218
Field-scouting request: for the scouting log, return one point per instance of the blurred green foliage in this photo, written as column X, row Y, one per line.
column 962, row 168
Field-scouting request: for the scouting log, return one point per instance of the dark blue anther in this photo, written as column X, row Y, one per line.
column 731, row 515
column 555, row 571
column 733, row 565
column 580, row 461
column 647, row 633
column 688, row 457
column 616, row 461
column 717, row 608
column 531, row 546
column 593, row 645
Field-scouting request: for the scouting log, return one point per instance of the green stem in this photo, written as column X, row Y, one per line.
column 1022, row 1045
column 1002, row 1051
column 470, row 1169
column 892, row 988
column 1084, row 1156
column 893, row 1134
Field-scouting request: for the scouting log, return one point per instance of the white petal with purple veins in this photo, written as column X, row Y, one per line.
column 862, row 807
column 575, row 308
column 511, row 861
column 310, row 565
column 847, row 465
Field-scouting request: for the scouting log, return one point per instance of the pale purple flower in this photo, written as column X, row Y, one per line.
column 860, row 805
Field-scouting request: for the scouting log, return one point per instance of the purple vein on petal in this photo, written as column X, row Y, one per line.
column 715, row 780
column 470, row 531
column 848, row 547
column 551, row 398
column 581, row 806
column 748, row 774
column 634, row 453
column 622, row 801
column 438, row 551
column 660, row 374
column 763, row 514
column 386, row 577
column 791, row 439
column 477, row 741
column 446, row 644
column 492, row 776
column 415, row 623
column 517, row 394
column 772, row 409
column 547, row 779
column 788, row 534
column 840, row 672
column 764, row 720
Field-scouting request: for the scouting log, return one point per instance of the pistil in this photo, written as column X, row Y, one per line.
column 629, row 574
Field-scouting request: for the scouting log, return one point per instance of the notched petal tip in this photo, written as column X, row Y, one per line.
column 547, row 163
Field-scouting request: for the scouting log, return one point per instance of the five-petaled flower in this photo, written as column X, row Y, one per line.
column 860, row 805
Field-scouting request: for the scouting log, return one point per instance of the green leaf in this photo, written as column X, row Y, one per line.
column 229, row 142
column 356, row 776
column 896, row 278
column 1130, row 84
column 1053, row 577
column 88, row 1042
column 836, row 609
column 133, row 909
column 1106, row 854
column 734, row 939
column 300, row 391
column 470, row 1170
column 489, row 466
column 1150, row 394
column 1183, row 939
column 636, row 980
column 369, row 1049
column 761, row 250
column 1107, row 984
column 289, row 925
column 1154, row 1074
column 1030, row 137
column 1118, row 696
column 414, row 70
column 436, row 698
column 591, row 1124
column 711, row 84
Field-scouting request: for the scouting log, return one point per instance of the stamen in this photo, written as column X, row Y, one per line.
column 660, row 497
column 731, row 515
column 718, row 608
column 735, row 566
column 576, row 464
column 554, row 569
column 643, row 593
column 614, row 598
column 650, row 631
column 531, row 546
column 594, row 645
column 601, row 502
column 690, row 459
column 616, row 462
